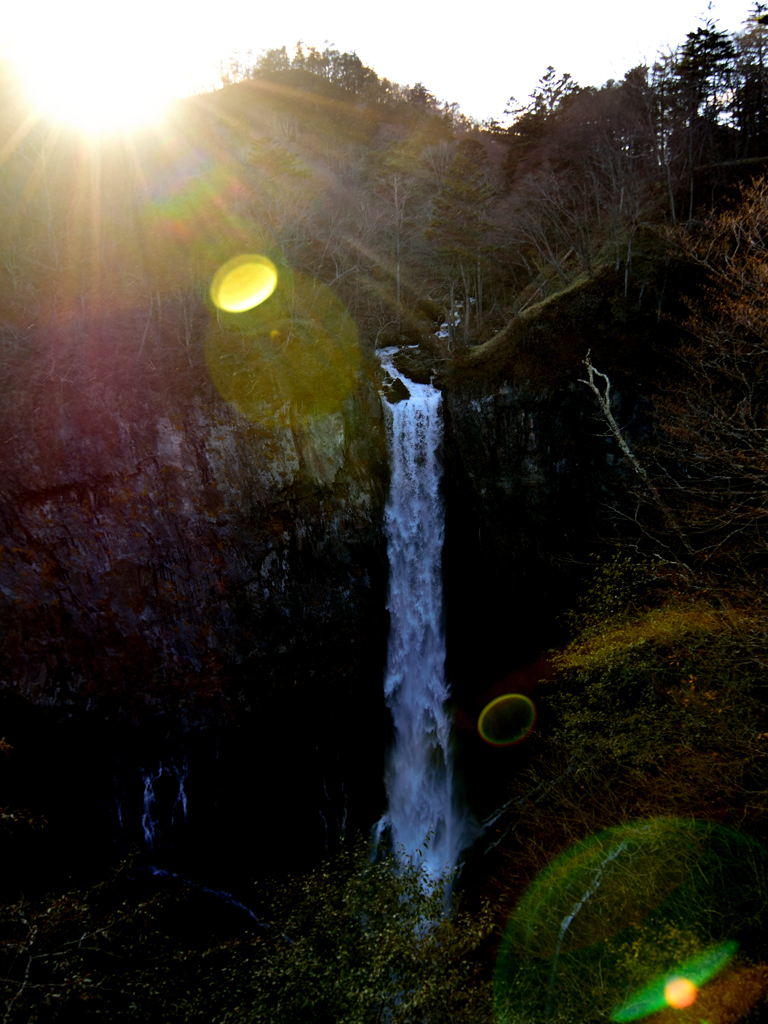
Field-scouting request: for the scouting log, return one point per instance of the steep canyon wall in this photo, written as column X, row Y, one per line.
column 181, row 582
column 197, row 597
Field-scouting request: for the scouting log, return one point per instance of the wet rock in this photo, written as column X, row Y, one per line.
column 396, row 392
column 158, row 546
column 531, row 492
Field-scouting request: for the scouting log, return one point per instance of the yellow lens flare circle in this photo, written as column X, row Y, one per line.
column 299, row 351
column 243, row 282
column 680, row 992
column 507, row 720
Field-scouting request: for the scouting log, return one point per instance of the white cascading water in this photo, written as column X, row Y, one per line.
column 423, row 820
column 150, row 822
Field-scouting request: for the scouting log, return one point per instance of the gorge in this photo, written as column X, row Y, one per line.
column 194, row 595
column 187, row 585
column 194, row 568
column 257, row 588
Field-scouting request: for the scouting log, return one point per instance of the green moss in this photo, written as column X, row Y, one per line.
column 674, row 683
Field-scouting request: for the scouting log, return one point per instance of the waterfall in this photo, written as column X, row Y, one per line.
column 422, row 819
column 172, row 812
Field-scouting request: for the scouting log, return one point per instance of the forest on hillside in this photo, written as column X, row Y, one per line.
column 482, row 251
column 409, row 210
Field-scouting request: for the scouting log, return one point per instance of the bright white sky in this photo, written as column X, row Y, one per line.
column 475, row 54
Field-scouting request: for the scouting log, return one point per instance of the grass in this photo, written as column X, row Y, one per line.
column 667, row 625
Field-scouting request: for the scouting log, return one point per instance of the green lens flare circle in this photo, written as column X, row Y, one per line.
column 679, row 987
column 634, row 920
column 507, row 720
column 243, row 282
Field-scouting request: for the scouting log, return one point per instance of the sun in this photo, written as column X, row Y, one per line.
column 94, row 65
column 113, row 104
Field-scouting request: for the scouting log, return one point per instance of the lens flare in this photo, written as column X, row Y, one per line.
column 296, row 355
column 80, row 61
column 507, row 720
column 677, row 988
column 243, row 283
column 634, row 921
column 680, row 992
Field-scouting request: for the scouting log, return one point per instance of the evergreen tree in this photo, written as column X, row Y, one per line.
column 704, row 71
column 534, row 120
column 751, row 84
column 703, row 90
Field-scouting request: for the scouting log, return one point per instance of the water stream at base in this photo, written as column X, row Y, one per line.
column 423, row 820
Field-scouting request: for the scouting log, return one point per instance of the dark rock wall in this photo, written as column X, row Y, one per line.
column 533, row 486
column 179, row 582
column 534, row 489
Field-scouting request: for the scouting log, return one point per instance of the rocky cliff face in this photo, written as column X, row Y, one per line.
column 533, row 488
column 525, row 476
column 535, row 485
column 175, row 572
column 209, row 588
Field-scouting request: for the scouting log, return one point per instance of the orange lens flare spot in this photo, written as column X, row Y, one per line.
column 243, row 282
column 680, row 992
